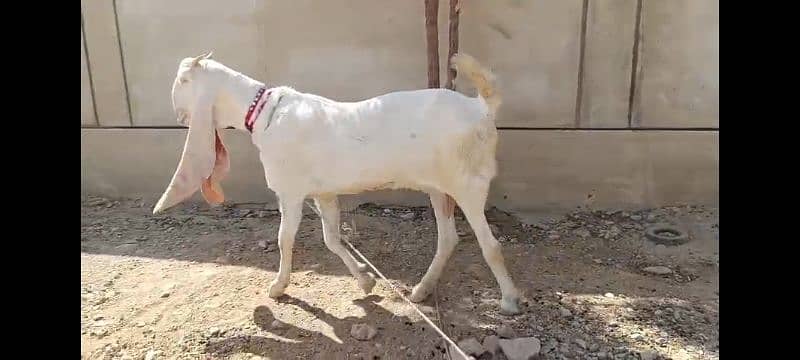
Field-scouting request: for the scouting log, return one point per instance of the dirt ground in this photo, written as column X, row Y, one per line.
column 192, row 284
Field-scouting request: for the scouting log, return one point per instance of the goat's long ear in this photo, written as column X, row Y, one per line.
column 198, row 160
column 211, row 188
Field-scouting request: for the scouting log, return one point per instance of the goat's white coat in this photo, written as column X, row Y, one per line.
column 434, row 140
column 422, row 140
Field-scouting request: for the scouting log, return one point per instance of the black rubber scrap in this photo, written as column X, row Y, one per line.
column 666, row 234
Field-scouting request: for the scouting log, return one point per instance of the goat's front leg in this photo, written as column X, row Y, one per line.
column 291, row 214
column 328, row 207
column 447, row 239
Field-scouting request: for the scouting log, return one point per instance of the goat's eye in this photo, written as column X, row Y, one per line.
column 183, row 80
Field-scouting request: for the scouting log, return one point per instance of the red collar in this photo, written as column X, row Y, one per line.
column 255, row 108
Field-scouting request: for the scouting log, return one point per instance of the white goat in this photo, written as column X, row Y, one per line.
column 433, row 140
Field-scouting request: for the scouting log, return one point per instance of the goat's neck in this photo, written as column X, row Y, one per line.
column 236, row 94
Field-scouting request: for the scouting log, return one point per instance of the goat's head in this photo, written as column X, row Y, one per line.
column 204, row 161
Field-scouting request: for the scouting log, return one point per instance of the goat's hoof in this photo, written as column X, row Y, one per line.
column 275, row 290
column 509, row 306
column 366, row 282
column 419, row 293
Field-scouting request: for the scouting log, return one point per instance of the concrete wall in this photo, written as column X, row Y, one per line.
column 678, row 74
column 99, row 24
column 607, row 63
column 88, row 117
column 577, row 76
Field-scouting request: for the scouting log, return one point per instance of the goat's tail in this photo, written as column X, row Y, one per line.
column 481, row 78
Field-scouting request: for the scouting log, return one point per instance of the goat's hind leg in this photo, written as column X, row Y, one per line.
column 447, row 239
column 472, row 202
column 328, row 207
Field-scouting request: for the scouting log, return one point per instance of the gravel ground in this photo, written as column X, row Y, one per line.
column 192, row 284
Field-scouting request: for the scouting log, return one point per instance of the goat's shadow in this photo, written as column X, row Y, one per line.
column 385, row 344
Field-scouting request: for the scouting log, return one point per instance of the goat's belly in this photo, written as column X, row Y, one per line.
column 356, row 188
column 344, row 179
